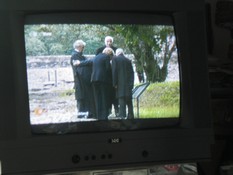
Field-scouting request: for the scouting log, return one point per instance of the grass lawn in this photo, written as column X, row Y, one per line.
column 159, row 100
column 158, row 112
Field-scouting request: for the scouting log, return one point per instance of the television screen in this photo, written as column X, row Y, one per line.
column 144, row 94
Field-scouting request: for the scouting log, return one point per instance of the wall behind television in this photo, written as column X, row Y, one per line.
column 221, row 37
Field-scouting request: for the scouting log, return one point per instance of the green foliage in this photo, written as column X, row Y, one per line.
column 161, row 94
column 36, row 46
column 152, row 45
column 160, row 100
column 160, row 112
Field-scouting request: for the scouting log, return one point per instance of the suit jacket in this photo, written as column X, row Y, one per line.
column 101, row 69
column 122, row 76
column 82, row 75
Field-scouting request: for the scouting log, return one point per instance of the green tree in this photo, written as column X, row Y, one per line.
column 55, row 39
column 152, row 47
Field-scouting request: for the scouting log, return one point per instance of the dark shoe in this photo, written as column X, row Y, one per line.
column 91, row 116
column 130, row 117
column 83, row 114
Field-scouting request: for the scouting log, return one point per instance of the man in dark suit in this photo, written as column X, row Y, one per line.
column 82, row 80
column 112, row 94
column 102, row 82
column 108, row 41
column 123, row 81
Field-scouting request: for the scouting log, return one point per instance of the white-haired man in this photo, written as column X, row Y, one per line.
column 108, row 44
column 82, row 80
column 123, row 81
column 102, row 82
column 101, row 79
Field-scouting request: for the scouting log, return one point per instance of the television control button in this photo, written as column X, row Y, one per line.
column 75, row 158
column 86, row 158
column 93, row 157
column 103, row 156
column 110, row 156
column 145, row 153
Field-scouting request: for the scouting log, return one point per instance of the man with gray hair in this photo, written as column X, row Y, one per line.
column 109, row 44
column 102, row 82
column 123, row 81
column 108, row 41
column 119, row 51
column 82, row 80
column 101, row 79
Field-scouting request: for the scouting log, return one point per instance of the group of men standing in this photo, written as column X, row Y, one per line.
column 103, row 81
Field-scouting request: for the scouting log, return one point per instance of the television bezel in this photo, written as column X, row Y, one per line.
column 136, row 18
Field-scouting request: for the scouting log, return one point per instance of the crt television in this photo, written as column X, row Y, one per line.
column 32, row 146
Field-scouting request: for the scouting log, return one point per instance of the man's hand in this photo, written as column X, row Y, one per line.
column 76, row 62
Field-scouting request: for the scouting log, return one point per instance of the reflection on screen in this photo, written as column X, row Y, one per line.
column 56, row 97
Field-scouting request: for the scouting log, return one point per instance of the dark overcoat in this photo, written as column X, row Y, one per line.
column 82, row 75
column 102, row 83
column 83, row 89
column 122, row 76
